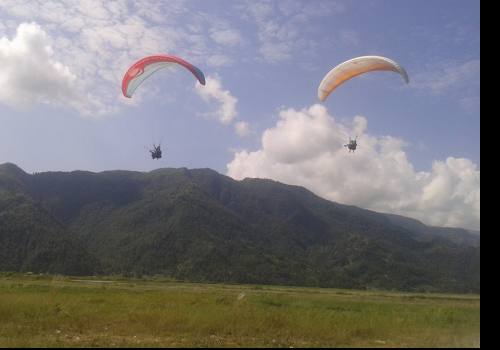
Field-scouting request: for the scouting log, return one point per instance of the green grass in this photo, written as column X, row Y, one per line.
column 43, row 311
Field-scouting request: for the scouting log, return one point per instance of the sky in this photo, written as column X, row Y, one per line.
column 62, row 109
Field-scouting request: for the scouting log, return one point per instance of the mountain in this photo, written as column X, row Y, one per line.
column 30, row 238
column 199, row 225
column 424, row 232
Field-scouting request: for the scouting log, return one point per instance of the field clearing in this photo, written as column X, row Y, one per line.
column 54, row 311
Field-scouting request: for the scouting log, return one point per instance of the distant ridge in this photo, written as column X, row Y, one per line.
column 199, row 225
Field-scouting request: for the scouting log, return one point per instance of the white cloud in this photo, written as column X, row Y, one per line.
column 242, row 128
column 218, row 60
column 93, row 9
column 226, row 37
column 276, row 52
column 439, row 78
column 213, row 91
column 97, row 40
column 349, row 37
column 458, row 80
column 226, row 111
column 306, row 147
column 30, row 72
column 281, row 25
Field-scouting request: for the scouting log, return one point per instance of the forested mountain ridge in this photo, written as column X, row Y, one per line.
column 199, row 225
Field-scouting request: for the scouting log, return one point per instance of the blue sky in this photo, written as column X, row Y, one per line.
column 61, row 106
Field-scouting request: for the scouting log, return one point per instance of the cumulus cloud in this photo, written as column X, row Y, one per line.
column 30, row 72
column 213, row 91
column 95, row 41
column 226, row 112
column 306, row 148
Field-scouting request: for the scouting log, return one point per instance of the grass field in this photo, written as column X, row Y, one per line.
column 48, row 311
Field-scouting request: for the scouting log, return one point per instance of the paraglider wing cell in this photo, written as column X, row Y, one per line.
column 354, row 67
column 145, row 67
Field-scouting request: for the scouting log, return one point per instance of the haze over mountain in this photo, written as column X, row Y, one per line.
column 199, row 225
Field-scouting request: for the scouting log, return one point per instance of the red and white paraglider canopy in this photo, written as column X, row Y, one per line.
column 143, row 68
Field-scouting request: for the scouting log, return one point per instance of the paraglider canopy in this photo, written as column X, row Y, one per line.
column 354, row 67
column 145, row 67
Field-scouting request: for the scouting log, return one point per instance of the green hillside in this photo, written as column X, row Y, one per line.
column 198, row 225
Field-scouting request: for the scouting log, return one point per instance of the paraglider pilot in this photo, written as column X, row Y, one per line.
column 351, row 145
column 155, row 152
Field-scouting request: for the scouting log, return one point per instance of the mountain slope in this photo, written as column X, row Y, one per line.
column 202, row 226
column 32, row 240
